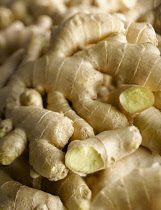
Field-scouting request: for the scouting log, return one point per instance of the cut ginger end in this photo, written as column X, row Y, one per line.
column 136, row 99
column 83, row 160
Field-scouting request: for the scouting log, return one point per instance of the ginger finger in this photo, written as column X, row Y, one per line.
column 34, row 47
column 9, row 67
column 20, row 10
column 131, row 98
column 18, row 196
column 58, row 128
column 147, row 66
column 31, row 97
column 153, row 17
column 57, row 133
column 91, row 110
column 21, row 34
column 72, row 190
column 6, row 126
column 140, row 9
column 6, row 17
column 141, row 158
column 19, row 170
column 140, row 189
column 57, row 103
column 47, row 160
column 149, row 122
column 66, row 35
column 140, row 33
column 12, row 146
column 101, row 151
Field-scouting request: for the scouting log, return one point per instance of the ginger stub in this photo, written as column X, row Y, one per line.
column 103, row 150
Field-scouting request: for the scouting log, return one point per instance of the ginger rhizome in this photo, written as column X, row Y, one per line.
column 149, row 123
column 52, row 99
column 140, row 188
column 103, row 150
column 82, row 70
column 72, row 190
column 131, row 98
column 18, row 196
column 141, row 158
column 153, row 17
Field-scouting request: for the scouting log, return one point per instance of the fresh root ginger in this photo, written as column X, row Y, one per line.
column 19, row 170
column 142, row 7
column 48, row 160
column 137, row 33
column 53, row 98
column 126, row 191
column 9, row 66
column 82, row 70
column 153, row 17
column 6, row 126
column 22, row 34
column 31, row 97
column 18, row 196
column 6, row 17
column 72, row 190
column 102, row 151
column 141, row 158
column 131, row 99
column 149, row 122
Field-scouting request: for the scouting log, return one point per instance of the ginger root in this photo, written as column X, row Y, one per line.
column 15, row 195
column 139, row 188
column 72, row 190
column 149, row 123
column 153, row 17
column 131, row 98
column 53, row 98
column 103, row 150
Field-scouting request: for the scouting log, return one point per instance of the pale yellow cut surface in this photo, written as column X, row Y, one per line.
column 136, row 99
column 83, row 159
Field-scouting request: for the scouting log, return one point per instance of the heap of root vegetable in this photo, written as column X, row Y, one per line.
column 80, row 101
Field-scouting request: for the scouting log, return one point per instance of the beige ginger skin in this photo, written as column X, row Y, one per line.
column 84, row 78
column 103, row 150
column 134, row 189
column 72, row 190
column 51, row 109
column 18, row 196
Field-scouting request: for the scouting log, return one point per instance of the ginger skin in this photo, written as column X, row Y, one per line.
column 72, row 190
column 101, row 151
column 149, row 123
column 126, row 191
column 141, row 158
column 84, row 79
column 153, row 17
column 52, row 99
column 18, row 196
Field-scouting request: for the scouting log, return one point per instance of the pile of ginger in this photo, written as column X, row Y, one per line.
column 80, row 101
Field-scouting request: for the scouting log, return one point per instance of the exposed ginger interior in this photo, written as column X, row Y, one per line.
column 136, row 99
column 83, row 159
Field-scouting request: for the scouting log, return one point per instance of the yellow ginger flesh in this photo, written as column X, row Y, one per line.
column 136, row 99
